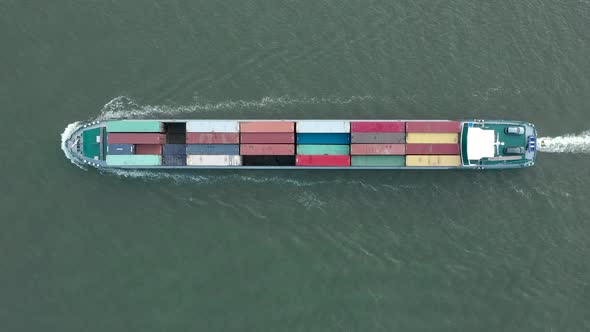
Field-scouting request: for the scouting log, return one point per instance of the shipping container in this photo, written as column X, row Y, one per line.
column 131, row 126
column 148, row 149
column 267, row 138
column 212, row 126
column 212, row 138
column 433, row 127
column 432, row 160
column 134, row 160
column 136, row 138
column 378, row 127
column 174, row 159
column 323, row 138
column 377, row 149
column 213, row 149
column 378, row 161
column 310, row 149
column 378, row 138
column 120, row 148
column 213, row 160
column 323, row 126
column 267, row 127
column 174, row 149
column 267, row 149
column 433, row 149
column 433, row 138
column 268, row 160
column 322, row 160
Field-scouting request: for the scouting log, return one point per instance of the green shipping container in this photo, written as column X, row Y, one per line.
column 323, row 149
column 134, row 160
column 378, row 161
column 126, row 126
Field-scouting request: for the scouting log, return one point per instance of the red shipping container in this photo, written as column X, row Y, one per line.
column 378, row 149
column 267, row 149
column 148, row 149
column 433, row 127
column 378, row 127
column 273, row 138
column 267, row 127
column 432, row 149
column 212, row 138
column 317, row 160
column 136, row 138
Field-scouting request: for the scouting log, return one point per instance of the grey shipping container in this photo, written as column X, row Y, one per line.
column 378, row 138
column 114, row 149
column 174, row 149
column 174, row 160
column 218, row 149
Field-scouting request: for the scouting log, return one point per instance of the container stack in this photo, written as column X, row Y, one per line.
column 134, row 143
column 378, row 143
column 323, row 143
column 267, row 143
column 213, row 143
column 433, row 143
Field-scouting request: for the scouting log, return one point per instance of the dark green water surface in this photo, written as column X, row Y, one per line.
column 82, row 250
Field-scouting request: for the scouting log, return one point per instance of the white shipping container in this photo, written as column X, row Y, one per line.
column 213, row 160
column 212, row 126
column 323, row 126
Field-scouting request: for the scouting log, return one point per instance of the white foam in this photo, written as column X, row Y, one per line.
column 570, row 143
column 70, row 129
column 123, row 107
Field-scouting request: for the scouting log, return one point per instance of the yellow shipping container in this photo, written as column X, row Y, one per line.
column 433, row 160
column 452, row 138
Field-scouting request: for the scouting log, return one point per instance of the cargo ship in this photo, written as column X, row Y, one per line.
column 303, row 144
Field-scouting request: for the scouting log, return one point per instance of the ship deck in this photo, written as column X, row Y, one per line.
column 487, row 142
column 502, row 140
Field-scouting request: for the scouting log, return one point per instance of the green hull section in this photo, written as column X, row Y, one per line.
column 91, row 139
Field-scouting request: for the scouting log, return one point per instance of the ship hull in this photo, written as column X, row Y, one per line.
column 79, row 145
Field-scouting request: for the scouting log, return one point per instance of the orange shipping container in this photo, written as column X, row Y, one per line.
column 148, row 149
column 377, row 149
column 212, row 138
column 267, row 127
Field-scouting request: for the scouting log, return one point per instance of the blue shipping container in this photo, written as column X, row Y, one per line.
column 323, row 138
column 174, row 149
column 174, row 160
column 120, row 149
column 219, row 149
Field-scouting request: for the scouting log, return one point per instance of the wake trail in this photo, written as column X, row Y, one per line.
column 569, row 143
column 123, row 107
column 192, row 176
